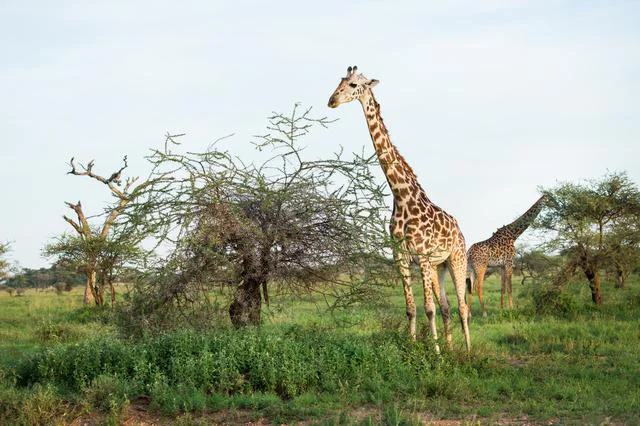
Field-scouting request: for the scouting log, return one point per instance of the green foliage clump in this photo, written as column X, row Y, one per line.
column 549, row 299
column 106, row 392
column 50, row 332
column 89, row 314
column 180, row 370
column 42, row 406
column 39, row 405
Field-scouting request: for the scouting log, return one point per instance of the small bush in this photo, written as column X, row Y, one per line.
column 106, row 393
column 554, row 300
column 88, row 314
column 10, row 397
column 41, row 407
column 49, row 333
column 59, row 288
column 169, row 400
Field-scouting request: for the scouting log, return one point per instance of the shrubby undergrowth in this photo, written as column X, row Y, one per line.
column 558, row 363
column 286, row 363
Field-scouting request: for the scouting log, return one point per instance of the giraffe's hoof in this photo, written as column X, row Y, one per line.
column 484, row 314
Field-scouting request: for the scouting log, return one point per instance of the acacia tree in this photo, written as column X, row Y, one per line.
column 624, row 244
column 92, row 245
column 594, row 225
column 105, row 257
column 286, row 221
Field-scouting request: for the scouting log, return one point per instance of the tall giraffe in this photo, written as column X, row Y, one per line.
column 419, row 227
column 499, row 250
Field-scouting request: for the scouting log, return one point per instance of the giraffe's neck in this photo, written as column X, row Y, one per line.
column 401, row 178
column 518, row 226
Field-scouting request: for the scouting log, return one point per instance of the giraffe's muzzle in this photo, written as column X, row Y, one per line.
column 332, row 103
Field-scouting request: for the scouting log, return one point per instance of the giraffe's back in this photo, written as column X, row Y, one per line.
column 494, row 251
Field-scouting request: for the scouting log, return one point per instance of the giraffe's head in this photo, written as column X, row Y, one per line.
column 351, row 87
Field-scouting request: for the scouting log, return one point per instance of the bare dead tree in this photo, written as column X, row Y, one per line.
column 95, row 239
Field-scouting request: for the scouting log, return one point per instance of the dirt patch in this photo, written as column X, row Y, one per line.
column 138, row 414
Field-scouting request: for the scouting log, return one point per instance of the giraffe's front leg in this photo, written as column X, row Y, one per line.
column 508, row 274
column 403, row 260
column 429, row 306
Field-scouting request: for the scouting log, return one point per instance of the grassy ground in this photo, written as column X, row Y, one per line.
column 60, row 362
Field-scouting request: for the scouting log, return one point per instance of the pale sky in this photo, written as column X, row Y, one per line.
column 487, row 100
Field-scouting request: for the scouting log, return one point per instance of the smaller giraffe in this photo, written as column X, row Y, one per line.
column 498, row 250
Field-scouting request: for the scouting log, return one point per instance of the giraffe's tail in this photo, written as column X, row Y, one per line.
column 470, row 282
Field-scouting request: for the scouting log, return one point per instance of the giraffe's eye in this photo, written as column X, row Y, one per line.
column 354, row 85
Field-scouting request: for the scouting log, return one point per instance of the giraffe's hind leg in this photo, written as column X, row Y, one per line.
column 503, row 285
column 441, row 296
column 457, row 268
column 429, row 306
column 480, row 271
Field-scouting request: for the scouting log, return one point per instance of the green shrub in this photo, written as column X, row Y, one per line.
column 41, row 407
column 10, row 397
column 51, row 333
column 549, row 299
column 106, row 392
column 88, row 314
column 179, row 369
column 171, row 399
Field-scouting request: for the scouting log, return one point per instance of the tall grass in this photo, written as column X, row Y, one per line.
column 578, row 365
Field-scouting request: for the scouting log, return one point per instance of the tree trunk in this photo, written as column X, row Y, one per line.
column 619, row 281
column 100, row 291
column 247, row 304
column 594, row 284
column 265, row 293
column 113, row 294
column 89, row 288
column 620, row 276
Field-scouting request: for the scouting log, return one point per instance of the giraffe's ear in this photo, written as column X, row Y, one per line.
column 373, row 82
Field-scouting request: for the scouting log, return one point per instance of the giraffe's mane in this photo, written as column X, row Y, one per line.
column 522, row 223
column 501, row 229
column 410, row 173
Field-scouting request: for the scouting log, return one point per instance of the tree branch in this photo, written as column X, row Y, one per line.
column 111, row 182
column 82, row 226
